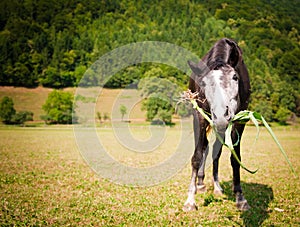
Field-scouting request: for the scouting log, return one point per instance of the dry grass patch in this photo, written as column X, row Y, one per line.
column 44, row 181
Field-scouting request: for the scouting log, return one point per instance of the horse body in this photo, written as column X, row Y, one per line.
column 222, row 82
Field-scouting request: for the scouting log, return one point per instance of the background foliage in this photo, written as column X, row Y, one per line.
column 52, row 43
column 59, row 108
column 158, row 94
column 8, row 114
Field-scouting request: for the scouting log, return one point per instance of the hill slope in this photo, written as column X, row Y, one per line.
column 32, row 99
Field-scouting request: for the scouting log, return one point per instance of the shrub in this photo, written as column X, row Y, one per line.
column 21, row 117
column 58, row 108
column 7, row 110
column 282, row 115
column 9, row 115
column 123, row 111
column 159, row 94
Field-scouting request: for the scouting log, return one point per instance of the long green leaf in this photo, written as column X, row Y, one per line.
column 255, row 122
column 229, row 145
column 201, row 111
column 278, row 144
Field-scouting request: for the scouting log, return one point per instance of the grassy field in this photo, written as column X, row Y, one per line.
column 44, row 181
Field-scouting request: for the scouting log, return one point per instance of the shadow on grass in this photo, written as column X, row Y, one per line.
column 258, row 196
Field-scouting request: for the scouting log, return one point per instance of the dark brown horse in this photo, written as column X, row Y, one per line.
column 222, row 82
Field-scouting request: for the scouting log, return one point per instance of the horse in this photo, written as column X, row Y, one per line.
column 221, row 81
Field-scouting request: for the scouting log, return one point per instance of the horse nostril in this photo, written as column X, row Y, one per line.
column 215, row 117
column 226, row 112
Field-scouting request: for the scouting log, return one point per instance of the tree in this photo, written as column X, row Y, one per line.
column 184, row 109
column 21, row 117
column 9, row 115
column 123, row 111
column 159, row 94
column 99, row 117
column 289, row 67
column 282, row 115
column 59, row 108
column 158, row 109
column 7, row 110
column 106, row 117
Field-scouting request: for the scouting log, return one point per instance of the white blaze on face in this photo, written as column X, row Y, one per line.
column 221, row 92
column 214, row 93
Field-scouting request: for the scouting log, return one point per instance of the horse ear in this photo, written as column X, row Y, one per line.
column 235, row 53
column 195, row 68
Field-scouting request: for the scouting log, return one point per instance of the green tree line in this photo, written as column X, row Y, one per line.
column 52, row 43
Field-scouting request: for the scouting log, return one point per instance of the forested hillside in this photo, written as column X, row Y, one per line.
column 52, row 42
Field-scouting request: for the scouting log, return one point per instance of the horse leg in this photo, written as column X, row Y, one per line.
column 190, row 203
column 197, row 161
column 241, row 202
column 201, row 174
column 218, row 190
column 216, row 147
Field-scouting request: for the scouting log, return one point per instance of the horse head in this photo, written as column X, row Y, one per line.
column 218, row 81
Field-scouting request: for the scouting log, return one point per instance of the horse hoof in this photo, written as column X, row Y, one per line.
column 243, row 205
column 218, row 192
column 189, row 207
column 201, row 188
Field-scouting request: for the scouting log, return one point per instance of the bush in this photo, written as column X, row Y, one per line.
column 282, row 115
column 159, row 94
column 9, row 115
column 158, row 109
column 184, row 110
column 123, row 111
column 58, row 108
column 21, row 117
column 7, row 110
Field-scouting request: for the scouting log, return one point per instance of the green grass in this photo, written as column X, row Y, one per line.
column 44, row 181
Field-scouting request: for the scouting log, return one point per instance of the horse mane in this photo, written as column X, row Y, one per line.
column 225, row 51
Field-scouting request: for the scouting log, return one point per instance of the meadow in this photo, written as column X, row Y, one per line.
column 44, row 181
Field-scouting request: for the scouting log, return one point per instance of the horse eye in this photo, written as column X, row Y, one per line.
column 202, row 84
column 235, row 77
